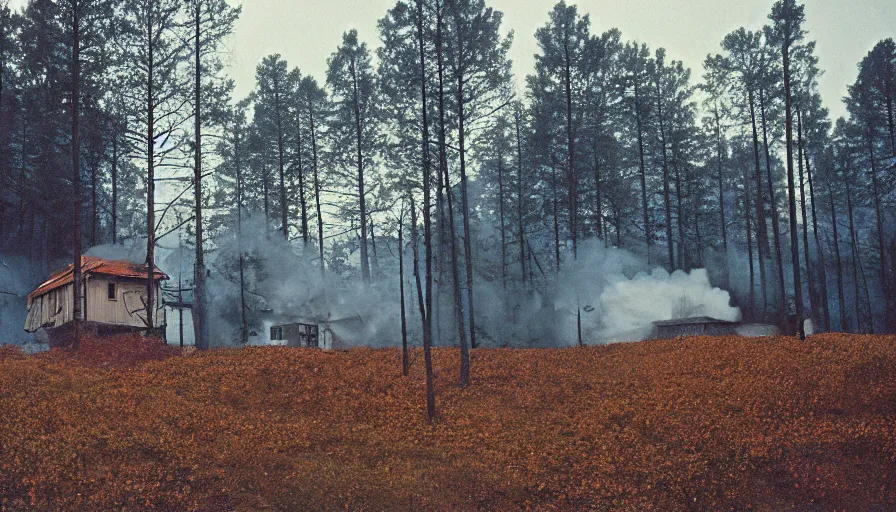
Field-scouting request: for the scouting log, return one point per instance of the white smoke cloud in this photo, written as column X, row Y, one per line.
column 633, row 304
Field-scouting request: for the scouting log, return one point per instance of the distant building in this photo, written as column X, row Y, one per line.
column 114, row 298
column 297, row 335
column 326, row 334
column 697, row 326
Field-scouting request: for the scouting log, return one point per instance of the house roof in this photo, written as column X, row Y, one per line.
column 96, row 266
column 692, row 321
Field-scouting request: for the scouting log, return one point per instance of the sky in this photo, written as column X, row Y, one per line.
column 306, row 32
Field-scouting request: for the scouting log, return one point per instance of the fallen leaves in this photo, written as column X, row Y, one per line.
column 698, row 424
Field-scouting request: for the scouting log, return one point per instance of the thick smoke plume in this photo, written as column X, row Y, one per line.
column 613, row 294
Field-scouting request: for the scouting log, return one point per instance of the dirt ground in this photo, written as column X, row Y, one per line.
column 697, row 424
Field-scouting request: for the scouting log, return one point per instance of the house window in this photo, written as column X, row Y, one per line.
column 276, row 333
column 112, row 292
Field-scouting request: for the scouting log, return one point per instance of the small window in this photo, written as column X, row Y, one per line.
column 112, row 292
column 276, row 333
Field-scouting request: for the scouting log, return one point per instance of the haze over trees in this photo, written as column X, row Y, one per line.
column 736, row 167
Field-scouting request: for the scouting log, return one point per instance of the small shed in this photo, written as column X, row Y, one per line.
column 114, row 297
column 697, row 326
column 297, row 335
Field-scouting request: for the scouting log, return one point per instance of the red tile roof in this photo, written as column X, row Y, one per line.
column 96, row 266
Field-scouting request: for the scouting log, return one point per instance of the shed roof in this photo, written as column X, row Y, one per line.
column 96, row 266
column 692, row 321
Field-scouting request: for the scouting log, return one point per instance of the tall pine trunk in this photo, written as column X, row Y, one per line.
column 667, row 198
column 443, row 164
column 881, row 244
column 427, row 219
column 519, row 195
column 150, row 178
column 501, row 216
column 362, row 199
column 465, row 199
column 810, row 278
column 841, row 295
column 317, row 188
column 791, row 190
column 762, row 227
column 642, row 167
column 303, row 205
column 115, row 188
column 773, row 203
column 244, row 322
column 284, row 203
column 404, row 317
column 76, row 176
column 749, row 229
column 200, row 323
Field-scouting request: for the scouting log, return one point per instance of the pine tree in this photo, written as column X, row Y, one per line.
column 354, row 124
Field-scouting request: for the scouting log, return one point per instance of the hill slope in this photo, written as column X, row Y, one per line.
column 699, row 424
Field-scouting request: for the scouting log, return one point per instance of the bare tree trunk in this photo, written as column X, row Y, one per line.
column 826, row 311
column 415, row 245
column 841, row 295
column 824, row 299
column 683, row 257
column 266, row 190
column 721, row 170
column 762, row 227
column 317, row 189
column 572, row 180
column 301, row 172
column 810, row 278
column 667, row 199
column 791, row 189
column 200, row 323
column 773, row 203
column 362, row 199
column 501, row 220
column 76, row 174
column 443, row 164
column 853, row 242
column 643, row 176
column 150, row 179
column 404, row 318
column 94, row 210
column 748, row 225
column 556, row 214
column 598, row 201
column 244, row 322
column 465, row 201
column 115, row 188
column 884, row 274
column 427, row 219
column 284, row 203
column 519, row 195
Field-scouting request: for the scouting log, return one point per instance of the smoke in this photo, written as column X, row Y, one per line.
column 283, row 283
column 611, row 293
column 18, row 277
column 133, row 250
column 635, row 304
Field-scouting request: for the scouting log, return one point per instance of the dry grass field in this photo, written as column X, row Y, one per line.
column 696, row 424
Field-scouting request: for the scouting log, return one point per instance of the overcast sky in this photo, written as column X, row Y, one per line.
column 306, row 32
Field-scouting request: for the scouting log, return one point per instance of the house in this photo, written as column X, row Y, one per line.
column 297, row 335
column 328, row 334
column 697, row 326
column 114, row 298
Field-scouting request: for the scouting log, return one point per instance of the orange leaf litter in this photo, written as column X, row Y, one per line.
column 697, row 424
